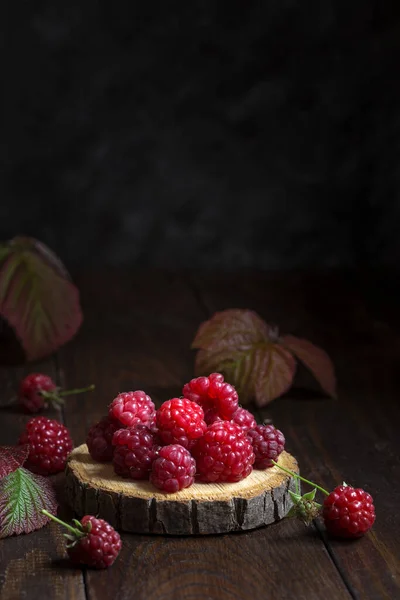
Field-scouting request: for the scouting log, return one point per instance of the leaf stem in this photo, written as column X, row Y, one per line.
column 69, row 527
column 321, row 489
column 89, row 388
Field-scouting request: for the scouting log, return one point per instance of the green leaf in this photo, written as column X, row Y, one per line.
column 22, row 497
column 304, row 507
column 295, row 497
column 37, row 298
column 239, row 344
column 310, row 495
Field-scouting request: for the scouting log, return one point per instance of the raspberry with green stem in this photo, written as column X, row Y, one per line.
column 38, row 390
column 347, row 512
column 92, row 542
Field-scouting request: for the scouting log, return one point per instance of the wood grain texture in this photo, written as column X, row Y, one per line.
column 34, row 566
column 354, row 438
column 137, row 334
column 138, row 507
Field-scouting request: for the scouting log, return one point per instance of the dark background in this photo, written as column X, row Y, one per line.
column 202, row 133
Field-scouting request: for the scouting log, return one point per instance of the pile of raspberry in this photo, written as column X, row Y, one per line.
column 204, row 436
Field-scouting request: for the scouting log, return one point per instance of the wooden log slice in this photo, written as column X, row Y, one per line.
column 204, row 508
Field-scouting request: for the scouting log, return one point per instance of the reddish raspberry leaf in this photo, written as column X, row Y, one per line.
column 315, row 359
column 232, row 329
column 239, row 344
column 277, row 375
column 36, row 297
column 11, row 458
column 23, row 495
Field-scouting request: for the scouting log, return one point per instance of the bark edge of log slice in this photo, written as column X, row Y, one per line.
column 204, row 508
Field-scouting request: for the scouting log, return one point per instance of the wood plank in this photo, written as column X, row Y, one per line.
column 137, row 333
column 354, row 438
column 34, row 565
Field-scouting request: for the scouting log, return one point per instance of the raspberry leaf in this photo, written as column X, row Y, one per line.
column 252, row 356
column 276, row 377
column 11, row 458
column 315, row 359
column 37, row 298
column 231, row 329
column 243, row 347
column 23, row 495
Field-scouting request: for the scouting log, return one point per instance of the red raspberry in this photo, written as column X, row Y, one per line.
column 30, row 391
column 37, row 391
column 211, row 416
column 268, row 443
column 174, row 469
column 212, row 392
column 92, row 542
column 49, row 445
column 132, row 408
column 135, row 450
column 223, row 453
column 99, row 439
column 241, row 417
column 348, row 512
column 180, row 421
column 244, row 418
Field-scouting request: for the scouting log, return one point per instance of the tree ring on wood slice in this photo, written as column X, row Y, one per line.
column 204, row 508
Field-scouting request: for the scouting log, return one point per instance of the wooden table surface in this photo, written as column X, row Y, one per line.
column 136, row 335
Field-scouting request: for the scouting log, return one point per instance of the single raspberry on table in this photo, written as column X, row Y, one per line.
column 92, row 542
column 213, row 392
column 135, row 450
column 37, row 391
column 268, row 443
column 99, row 439
column 348, row 512
column 49, row 445
column 31, row 388
column 132, row 408
column 223, row 453
column 174, row 469
column 180, row 421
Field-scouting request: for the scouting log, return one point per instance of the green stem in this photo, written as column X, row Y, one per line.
column 321, row 489
column 90, row 388
column 57, row 520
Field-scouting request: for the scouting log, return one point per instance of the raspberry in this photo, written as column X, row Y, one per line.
column 30, row 391
column 268, row 443
column 92, row 542
column 241, row 417
column 37, row 391
column 211, row 416
column 180, row 421
column 132, row 408
column 135, row 450
column 223, row 453
column 348, row 512
column 99, row 439
column 174, row 469
column 244, row 418
column 49, row 445
column 212, row 392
